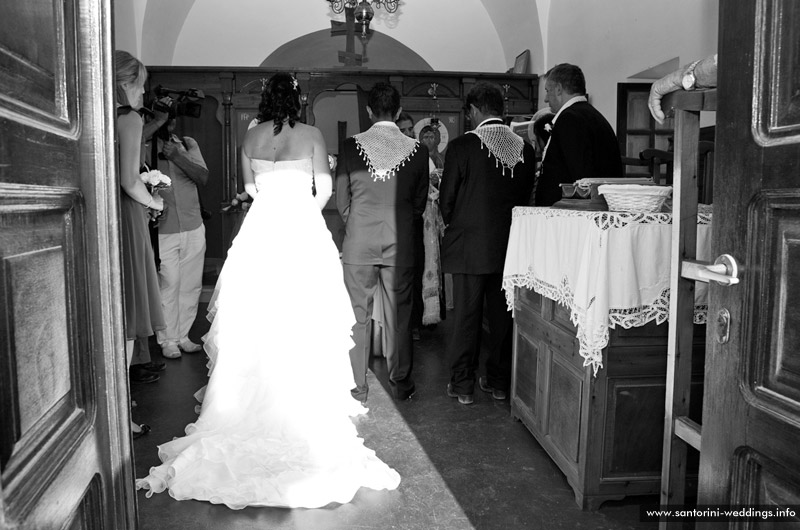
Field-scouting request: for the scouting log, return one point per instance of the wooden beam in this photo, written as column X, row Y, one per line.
column 681, row 299
column 689, row 100
column 689, row 431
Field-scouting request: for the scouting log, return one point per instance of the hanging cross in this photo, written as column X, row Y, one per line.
column 348, row 57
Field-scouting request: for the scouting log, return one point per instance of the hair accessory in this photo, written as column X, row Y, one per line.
column 295, row 84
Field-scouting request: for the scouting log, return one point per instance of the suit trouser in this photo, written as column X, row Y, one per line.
column 364, row 283
column 181, row 281
column 470, row 291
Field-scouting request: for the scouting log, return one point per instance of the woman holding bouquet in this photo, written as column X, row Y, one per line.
column 141, row 295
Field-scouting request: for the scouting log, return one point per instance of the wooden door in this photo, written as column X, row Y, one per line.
column 65, row 451
column 751, row 413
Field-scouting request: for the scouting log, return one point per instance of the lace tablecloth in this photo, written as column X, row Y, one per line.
column 609, row 268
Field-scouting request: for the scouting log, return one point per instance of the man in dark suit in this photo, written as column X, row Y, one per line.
column 381, row 191
column 487, row 172
column 582, row 143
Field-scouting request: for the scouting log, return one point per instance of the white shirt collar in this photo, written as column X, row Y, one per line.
column 569, row 103
column 386, row 124
column 490, row 119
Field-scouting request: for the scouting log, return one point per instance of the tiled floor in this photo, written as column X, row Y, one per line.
column 463, row 467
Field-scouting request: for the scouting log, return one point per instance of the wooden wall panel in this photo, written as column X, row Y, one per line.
column 38, row 309
column 758, row 480
column 774, row 371
column 37, row 63
column 633, row 448
column 527, row 369
column 46, row 381
column 566, row 404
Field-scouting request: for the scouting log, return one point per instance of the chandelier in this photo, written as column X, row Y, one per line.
column 363, row 9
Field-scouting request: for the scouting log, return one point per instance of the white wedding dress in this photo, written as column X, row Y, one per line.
column 275, row 425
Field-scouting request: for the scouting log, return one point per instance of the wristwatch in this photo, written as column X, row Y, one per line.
column 688, row 81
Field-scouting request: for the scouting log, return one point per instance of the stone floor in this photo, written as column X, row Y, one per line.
column 463, row 467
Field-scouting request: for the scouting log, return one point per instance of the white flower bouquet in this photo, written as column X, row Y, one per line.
column 240, row 203
column 155, row 180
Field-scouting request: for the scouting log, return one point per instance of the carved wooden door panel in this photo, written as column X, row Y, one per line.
column 65, row 451
column 751, row 414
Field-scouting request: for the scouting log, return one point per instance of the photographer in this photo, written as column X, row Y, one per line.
column 181, row 234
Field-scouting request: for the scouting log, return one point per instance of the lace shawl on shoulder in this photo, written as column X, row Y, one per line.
column 502, row 143
column 384, row 149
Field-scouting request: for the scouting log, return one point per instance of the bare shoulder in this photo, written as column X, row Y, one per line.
column 129, row 125
column 130, row 119
column 256, row 135
column 311, row 135
column 308, row 130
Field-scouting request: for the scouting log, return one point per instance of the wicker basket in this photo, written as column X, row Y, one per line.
column 634, row 198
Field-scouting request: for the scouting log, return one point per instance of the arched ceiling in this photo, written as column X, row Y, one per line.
column 477, row 34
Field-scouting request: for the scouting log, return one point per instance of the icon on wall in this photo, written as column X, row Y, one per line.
column 438, row 124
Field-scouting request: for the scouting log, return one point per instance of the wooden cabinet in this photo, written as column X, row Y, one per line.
column 604, row 432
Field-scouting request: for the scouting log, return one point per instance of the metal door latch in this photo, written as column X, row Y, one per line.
column 724, row 270
column 723, row 326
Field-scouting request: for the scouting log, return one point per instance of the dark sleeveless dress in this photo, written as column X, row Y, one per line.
column 141, row 294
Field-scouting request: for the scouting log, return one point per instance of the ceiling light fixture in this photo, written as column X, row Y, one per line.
column 363, row 9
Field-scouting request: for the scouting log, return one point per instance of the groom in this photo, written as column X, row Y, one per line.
column 381, row 190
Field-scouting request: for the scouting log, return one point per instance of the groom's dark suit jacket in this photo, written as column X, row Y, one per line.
column 379, row 215
column 582, row 145
column 476, row 199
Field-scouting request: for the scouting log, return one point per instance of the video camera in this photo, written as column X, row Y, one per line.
column 180, row 102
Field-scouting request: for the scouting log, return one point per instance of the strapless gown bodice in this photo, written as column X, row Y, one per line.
column 283, row 174
column 260, row 165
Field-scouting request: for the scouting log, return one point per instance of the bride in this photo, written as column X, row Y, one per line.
column 275, row 426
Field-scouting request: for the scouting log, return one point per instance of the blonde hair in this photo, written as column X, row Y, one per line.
column 128, row 69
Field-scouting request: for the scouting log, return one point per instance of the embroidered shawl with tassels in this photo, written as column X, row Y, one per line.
column 502, row 143
column 384, row 149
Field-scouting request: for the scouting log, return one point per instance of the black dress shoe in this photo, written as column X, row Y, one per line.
column 404, row 390
column 495, row 392
column 154, row 366
column 405, row 395
column 464, row 399
column 141, row 375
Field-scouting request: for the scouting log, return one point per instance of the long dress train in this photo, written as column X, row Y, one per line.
column 275, row 425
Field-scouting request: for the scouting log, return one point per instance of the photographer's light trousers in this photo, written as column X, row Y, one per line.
column 181, row 280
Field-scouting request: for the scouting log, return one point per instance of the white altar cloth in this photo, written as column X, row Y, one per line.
column 609, row 268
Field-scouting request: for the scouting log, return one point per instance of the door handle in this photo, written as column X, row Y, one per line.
column 724, row 270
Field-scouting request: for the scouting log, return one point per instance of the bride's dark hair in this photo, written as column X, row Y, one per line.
column 280, row 101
